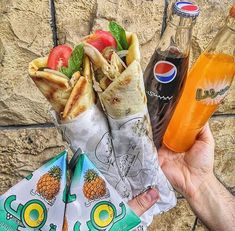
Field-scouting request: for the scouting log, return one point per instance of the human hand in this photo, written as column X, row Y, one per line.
column 144, row 201
column 187, row 171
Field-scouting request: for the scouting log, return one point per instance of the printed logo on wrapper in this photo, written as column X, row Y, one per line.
column 20, row 209
column 104, row 208
column 164, row 71
column 104, row 215
column 33, row 214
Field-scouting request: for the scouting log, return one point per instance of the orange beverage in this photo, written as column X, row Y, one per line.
column 206, row 85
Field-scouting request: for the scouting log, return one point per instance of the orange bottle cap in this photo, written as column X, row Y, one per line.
column 232, row 11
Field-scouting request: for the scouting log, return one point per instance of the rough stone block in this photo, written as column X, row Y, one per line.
column 23, row 151
column 179, row 218
column 223, row 129
column 25, row 34
column 74, row 19
column 211, row 19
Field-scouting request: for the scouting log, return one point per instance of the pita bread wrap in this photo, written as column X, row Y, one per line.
column 124, row 102
column 68, row 97
column 54, row 87
column 79, row 117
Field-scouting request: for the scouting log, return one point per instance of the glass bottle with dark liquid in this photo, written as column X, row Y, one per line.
column 166, row 72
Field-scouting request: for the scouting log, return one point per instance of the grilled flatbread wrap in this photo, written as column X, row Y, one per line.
column 68, row 97
column 121, row 90
column 82, row 96
column 125, row 95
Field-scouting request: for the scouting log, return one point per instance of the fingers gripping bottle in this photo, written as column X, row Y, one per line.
column 165, row 74
column 207, row 84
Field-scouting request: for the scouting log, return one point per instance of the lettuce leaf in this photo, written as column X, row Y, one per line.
column 75, row 61
column 120, row 36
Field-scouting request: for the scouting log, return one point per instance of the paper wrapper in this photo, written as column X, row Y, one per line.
column 124, row 102
column 137, row 160
column 103, row 209
column 38, row 201
column 90, row 132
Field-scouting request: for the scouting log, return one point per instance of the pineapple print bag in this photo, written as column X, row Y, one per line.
column 93, row 204
column 38, row 201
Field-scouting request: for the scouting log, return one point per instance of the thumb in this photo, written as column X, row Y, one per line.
column 144, row 201
column 206, row 136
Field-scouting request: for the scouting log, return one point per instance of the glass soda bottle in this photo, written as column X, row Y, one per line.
column 207, row 84
column 165, row 74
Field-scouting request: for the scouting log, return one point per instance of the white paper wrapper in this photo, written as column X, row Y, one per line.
column 128, row 159
column 90, row 132
column 137, row 160
column 124, row 102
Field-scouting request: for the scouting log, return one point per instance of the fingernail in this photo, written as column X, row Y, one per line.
column 151, row 195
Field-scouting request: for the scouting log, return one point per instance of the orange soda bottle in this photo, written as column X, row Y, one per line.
column 206, row 85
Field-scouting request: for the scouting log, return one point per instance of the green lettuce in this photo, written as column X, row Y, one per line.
column 75, row 61
column 120, row 36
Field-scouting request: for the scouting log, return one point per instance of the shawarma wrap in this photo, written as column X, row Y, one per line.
column 118, row 81
column 120, row 85
column 68, row 97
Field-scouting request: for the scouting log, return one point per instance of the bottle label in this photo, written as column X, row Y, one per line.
column 211, row 95
column 164, row 71
column 161, row 97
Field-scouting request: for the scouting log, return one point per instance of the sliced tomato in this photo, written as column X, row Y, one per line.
column 59, row 57
column 102, row 39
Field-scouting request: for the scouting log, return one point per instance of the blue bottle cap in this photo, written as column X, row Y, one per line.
column 186, row 9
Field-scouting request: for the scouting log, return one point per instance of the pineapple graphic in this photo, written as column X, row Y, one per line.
column 94, row 186
column 48, row 185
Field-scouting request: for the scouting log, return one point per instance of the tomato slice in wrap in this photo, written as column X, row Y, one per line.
column 102, row 39
column 59, row 57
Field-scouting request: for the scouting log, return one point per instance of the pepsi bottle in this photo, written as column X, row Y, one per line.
column 166, row 72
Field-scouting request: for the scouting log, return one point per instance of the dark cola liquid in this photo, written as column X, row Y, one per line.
column 163, row 97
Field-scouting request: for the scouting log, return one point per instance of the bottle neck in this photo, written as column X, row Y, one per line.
column 181, row 22
column 177, row 35
column 224, row 40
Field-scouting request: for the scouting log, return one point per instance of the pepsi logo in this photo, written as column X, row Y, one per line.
column 164, row 71
column 188, row 7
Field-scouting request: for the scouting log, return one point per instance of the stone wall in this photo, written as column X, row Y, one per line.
column 27, row 135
